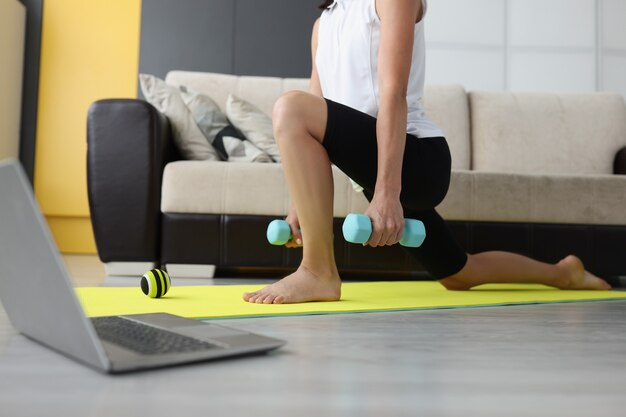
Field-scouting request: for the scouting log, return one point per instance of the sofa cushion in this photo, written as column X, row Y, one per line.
column 188, row 137
column 243, row 188
column 446, row 105
column 255, row 125
column 228, row 141
column 260, row 91
column 546, row 133
column 261, row 189
column 499, row 197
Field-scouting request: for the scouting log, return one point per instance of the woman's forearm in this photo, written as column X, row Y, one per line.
column 391, row 134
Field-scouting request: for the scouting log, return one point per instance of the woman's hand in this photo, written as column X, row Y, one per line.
column 296, row 236
column 387, row 216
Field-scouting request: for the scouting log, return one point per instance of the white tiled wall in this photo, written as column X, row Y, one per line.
column 481, row 69
column 613, row 34
column 463, row 22
column 557, row 23
column 613, row 29
column 528, row 45
column 551, row 71
column 461, row 50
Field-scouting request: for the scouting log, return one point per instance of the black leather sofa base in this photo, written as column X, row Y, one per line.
column 238, row 244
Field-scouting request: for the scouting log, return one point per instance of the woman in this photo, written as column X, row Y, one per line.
column 364, row 113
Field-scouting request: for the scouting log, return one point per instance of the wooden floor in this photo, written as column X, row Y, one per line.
column 85, row 270
column 541, row 360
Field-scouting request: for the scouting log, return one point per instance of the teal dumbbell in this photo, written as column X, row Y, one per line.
column 357, row 228
column 278, row 232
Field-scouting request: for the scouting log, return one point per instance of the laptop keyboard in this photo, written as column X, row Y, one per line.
column 146, row 339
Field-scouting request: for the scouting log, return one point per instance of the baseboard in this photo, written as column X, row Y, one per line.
column 190, row 270
column 127, row 268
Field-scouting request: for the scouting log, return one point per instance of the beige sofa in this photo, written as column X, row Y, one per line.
column 532, row 172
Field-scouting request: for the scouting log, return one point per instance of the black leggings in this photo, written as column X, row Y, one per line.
column 350, row 140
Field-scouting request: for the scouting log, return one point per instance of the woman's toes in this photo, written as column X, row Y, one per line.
column 269, row 299
column 253, row 297
column 279, row 299
column 261, row 298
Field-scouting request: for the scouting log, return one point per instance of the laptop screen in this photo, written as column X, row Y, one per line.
column 35, row 289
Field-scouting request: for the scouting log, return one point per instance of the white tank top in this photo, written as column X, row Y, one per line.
column 347, row 62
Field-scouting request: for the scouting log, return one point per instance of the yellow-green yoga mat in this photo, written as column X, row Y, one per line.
column 224, row 301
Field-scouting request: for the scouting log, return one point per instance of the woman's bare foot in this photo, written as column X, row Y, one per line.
column 572, row 276
column 577, row 278
column 300, row 287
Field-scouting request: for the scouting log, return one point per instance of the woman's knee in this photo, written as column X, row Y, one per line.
column 297, row 111
column 288, row 112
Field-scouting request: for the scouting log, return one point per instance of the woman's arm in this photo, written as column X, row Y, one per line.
column 314, row 86
column 398, row 19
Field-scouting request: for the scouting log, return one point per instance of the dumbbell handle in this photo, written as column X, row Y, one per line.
column 357, row 228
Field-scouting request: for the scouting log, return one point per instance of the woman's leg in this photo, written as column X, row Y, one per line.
column 447, row 261
column 299, row 127
column 506, row 267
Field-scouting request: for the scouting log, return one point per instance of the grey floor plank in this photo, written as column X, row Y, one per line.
column 538, row 360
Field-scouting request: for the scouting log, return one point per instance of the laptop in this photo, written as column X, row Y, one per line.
column 40, row 302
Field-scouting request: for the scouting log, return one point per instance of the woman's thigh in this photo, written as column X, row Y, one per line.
column 350, row 139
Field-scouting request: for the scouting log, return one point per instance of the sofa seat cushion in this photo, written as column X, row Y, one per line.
column 568, row 199
column 202, row 187
column 241, row 188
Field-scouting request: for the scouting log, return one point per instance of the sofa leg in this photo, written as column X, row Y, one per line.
column 190, row 270
column 117, row 269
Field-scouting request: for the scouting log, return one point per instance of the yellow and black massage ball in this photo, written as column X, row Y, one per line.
column 155, row 283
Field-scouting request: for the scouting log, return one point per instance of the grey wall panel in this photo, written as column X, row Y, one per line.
column 243, row 37
column 32, row 52
column 273, row 37
column 195, row 35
